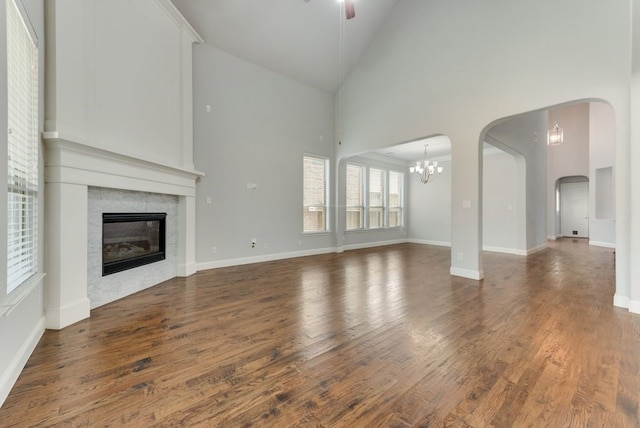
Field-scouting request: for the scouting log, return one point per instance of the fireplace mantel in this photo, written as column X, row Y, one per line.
column 70, row 168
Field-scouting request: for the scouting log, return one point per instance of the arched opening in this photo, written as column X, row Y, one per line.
column 587, row 151
column 425, row 207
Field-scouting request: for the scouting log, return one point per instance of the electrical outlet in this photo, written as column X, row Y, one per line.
column 214, row 250
column 253, row 242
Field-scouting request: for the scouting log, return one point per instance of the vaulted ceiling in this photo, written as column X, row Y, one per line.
column 303, row 40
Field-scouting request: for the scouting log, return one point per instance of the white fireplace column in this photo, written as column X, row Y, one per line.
column 65, row 296
column 187, row 231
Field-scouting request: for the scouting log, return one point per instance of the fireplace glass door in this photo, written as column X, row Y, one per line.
column 132, row 239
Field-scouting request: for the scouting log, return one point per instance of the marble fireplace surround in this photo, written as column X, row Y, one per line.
column 70, row 170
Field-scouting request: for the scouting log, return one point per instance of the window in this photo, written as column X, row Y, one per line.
column 355, row 197
column 376, row 198
column 22, row 149
column 315, row 196
column 396, row 180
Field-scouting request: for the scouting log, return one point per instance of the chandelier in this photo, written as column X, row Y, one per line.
column 426, row 169
column 555, row 135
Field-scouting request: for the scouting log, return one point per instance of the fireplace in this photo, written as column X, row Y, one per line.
column 132, row 239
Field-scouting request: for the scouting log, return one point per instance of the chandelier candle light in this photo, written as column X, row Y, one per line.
column 426, row 169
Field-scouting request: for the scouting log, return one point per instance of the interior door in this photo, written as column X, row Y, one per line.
column 574, row 209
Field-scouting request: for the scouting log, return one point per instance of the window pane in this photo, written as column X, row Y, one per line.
column 315, row 194
column 22, row 149
column 314, row 219
column 314, row 181
column 395, row 217
column 396, row 180
column 355, row 197
column 376, row 218
column 376, row 187
column 355, row 218
column 395, row 189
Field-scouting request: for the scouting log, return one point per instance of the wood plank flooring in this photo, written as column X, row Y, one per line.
column 380, row 337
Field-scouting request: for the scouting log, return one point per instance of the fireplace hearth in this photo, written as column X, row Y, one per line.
column 130, row 240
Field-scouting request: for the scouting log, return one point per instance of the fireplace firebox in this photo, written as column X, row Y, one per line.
column 132, row 239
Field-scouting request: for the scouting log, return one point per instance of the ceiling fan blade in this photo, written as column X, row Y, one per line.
column 349, row 9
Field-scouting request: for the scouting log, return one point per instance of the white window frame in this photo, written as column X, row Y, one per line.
column 311, row 207
column 22, row 147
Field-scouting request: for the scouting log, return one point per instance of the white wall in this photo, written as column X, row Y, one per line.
column 524, row 136
column 490, row 62
column 429, row 208
column 21, row 313
column 260, row 126
column 602, row 150
column 500, row 202
column 628, row 156
column 119, row 78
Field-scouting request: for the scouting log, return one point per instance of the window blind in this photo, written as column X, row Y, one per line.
column 376, row 198
column 396, row 180
column 315, row 194
column 355, row 197
column 22, row 146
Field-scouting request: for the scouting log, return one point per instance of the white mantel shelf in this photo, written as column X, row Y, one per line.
column 74, row 163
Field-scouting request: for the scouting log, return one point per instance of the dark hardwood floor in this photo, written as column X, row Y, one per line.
column 381, row 337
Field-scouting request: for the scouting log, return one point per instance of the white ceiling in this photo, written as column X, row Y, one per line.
column 439, row 148
column 298, row 39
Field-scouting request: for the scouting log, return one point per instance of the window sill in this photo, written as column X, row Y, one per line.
column 323, row 232
column 16, row 297
column 379, row 229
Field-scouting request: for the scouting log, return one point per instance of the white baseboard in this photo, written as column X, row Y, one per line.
column 634, row 306
column 57, row 319
column 467, row 273
column 602, row 244
column 430, row 242
column 625, row 302
column 10, row 374
column 500, row 250
column 535, row 249
column 621, row 301
column 373, row 244
column 214, row 264
column 184, row 270
column 553, row 237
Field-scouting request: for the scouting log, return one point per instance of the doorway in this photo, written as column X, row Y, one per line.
column 574, row 207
